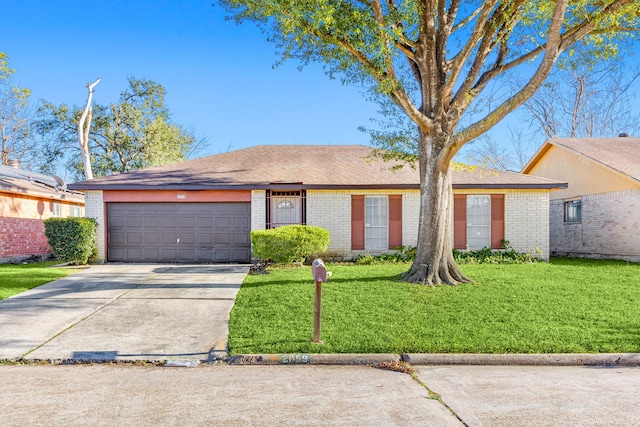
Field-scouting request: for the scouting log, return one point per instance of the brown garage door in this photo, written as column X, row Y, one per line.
column 179, row 232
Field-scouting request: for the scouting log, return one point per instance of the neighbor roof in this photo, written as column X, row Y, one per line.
column 620, row 154
column 299, row 166
column 19, row 181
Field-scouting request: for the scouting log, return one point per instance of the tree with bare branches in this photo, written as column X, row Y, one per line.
column 583, row 99
column 15, row 129
column 586, row 101
column 451, row 52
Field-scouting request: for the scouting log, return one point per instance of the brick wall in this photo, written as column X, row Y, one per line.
column 258, row 209
column 526, row 225
column 94, row 208
column 22, row 226
column 526, row 214
column 22, row 237
column 610, row 227
column 526, row 217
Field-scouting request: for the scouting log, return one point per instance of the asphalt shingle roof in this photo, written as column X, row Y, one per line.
column 18, row 181
column 304, row 166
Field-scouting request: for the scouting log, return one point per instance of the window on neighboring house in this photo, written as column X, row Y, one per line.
column 573, row 211
column 75, row 211
column 55, row 211
column 285, row 208
column 478, row 221
column 376, row 222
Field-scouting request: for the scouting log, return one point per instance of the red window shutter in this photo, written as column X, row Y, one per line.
column 497, row 220
column 395, row 221
column 460, row 221
column 357, row 222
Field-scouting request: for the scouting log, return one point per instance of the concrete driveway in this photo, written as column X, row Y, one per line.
column 124, row 312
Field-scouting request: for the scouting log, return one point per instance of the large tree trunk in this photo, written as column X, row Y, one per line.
column 434, row 263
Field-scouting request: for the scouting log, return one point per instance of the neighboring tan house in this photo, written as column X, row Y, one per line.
column 598, row 215
column 26, row 199
column 203, row 210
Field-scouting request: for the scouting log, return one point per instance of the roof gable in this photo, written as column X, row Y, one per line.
column 299, row 166
column 620, row 155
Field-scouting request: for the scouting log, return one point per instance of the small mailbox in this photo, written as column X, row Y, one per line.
column 319, row 270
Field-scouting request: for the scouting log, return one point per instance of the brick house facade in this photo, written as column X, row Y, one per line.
column 287, row 184
column 26, row 200
column 597, row 216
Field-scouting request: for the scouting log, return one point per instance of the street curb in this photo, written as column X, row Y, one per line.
column 579, row 359
column 584, row 359
column 312, row 359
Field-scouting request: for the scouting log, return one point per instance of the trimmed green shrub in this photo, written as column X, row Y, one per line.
column 71, row 239
column 290, row 243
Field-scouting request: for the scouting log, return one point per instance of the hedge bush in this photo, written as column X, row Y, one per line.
column 71, row 239
column 289, row 243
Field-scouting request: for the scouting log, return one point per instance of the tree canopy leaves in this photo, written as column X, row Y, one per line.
column 134, row 133
column 445, row 65
column 451, row 49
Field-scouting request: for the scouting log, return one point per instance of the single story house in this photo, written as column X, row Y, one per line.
column 598, row 215
column 26, row 199
column 202, row 210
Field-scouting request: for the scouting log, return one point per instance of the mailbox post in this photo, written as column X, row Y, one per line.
column 319, row 276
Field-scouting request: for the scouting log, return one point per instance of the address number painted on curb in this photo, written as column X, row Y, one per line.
column 294, row 359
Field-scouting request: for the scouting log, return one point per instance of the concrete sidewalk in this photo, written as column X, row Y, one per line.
column 123, row 312
column 119, row 394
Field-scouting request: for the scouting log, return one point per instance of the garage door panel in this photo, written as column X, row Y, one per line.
column 117, row 221
column 241, row 239
column 205, row 222
column 152, row 221
column 204, row 254
column 169, row 238
column 151, row 238
column 223, row 222
column 150, row 255
column 116, row 238
column 169, row 221
column 187, row 239
column 205, row 239
column 222, row 255
column 116, row 253
column 134, row 254
column 134, row 237
column 240, row 223
column 187, row 222
column 241, row 254
column 179, row 232
column 223, row 238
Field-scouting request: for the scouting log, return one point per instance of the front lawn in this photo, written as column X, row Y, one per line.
column 566, row 306
column 19, row 278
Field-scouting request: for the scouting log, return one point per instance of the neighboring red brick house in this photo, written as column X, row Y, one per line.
column 26, row 199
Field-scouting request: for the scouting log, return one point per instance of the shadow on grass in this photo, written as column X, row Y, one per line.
column 353, row 280
column 588, row 262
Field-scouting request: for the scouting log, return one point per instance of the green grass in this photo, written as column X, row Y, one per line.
column 19, row 278
column 566, row 306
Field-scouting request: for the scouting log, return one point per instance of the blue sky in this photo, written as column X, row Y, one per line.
column 219, row 76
